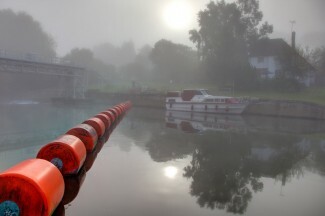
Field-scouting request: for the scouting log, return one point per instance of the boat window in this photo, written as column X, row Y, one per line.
column 171, row 100
column 208, row 100
column 204, row 92
column 217, row 100
column 198, row 93
column 222, row 100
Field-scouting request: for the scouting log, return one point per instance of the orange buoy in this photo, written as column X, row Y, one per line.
column 32, row 187
column 114, row 111
column 67, row 153
column 87, row 134
column 120, row 106
column 119, row 110
column 105, row 119
column 97, row 124
column 110, row 115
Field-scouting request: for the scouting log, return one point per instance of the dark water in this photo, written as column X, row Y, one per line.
column 158, row 163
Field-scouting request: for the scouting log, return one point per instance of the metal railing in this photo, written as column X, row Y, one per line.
column 34, row 57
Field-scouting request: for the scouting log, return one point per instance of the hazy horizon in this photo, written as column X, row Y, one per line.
column 85, row 24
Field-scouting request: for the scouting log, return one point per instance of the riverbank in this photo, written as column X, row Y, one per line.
column 265, row 107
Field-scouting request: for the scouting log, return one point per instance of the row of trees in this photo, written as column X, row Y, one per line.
column 225, row 34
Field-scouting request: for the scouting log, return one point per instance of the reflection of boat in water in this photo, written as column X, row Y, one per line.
column 192, row 122
column 200, row 101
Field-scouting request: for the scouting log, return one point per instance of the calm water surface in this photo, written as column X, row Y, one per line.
column 175, row 163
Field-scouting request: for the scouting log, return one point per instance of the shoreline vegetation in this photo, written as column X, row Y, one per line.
column 308, row 103
column 314, row 95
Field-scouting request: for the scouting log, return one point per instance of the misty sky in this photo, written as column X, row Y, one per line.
column 87, row 23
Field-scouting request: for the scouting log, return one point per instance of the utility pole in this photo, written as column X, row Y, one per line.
column 293, row 22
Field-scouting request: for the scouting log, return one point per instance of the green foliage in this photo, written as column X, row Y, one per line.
column 21, row 33
column 226, row 31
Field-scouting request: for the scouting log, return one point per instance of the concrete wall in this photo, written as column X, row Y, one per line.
column 294, row 109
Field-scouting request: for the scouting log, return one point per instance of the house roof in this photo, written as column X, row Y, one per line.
column 276, row 47
column 270, row 47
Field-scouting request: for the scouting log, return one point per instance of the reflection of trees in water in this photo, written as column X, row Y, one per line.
column 226, row 167
column 285, row 159
column 225, row 172
column 316, row 160
column 165, row 147
column 219, row 178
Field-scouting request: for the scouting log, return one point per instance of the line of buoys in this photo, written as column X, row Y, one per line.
column 43, row 186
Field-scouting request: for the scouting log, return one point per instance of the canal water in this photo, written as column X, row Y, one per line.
column 173, row 163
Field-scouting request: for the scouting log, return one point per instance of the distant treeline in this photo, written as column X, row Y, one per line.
column 221, row 58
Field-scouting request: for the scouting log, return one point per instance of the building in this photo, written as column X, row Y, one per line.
column 272, row 57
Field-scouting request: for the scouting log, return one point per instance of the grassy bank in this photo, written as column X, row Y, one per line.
column 314, row 95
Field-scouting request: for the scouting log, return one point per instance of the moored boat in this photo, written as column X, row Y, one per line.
column 198, row 100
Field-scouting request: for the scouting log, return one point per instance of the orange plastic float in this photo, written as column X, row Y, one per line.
column 97, row 124
column 110, row 115
column 32, row 187
column 114, row 111
column 119, row 110
column 67, row 153
column 87, row 134
column 120, row 106
column 105, row 119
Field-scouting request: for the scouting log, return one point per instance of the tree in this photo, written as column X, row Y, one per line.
column 226, row 32
column 21, row 34
column 141, row 68
column 80, row 57
column 99, row 70
column 174, row 62
column 318, row 59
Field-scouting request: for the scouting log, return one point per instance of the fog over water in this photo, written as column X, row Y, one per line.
column 83, row 23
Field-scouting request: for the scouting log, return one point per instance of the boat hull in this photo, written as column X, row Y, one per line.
column 235, row 108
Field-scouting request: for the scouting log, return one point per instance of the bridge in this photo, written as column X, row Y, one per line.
column 70, row 80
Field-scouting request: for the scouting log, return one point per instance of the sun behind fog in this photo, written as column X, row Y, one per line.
column 177, row 14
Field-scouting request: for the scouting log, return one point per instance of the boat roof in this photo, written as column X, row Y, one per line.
column 195, row 89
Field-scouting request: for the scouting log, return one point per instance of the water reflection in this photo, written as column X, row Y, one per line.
column 231, row 154
column 202, row 165
column 25, row 128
